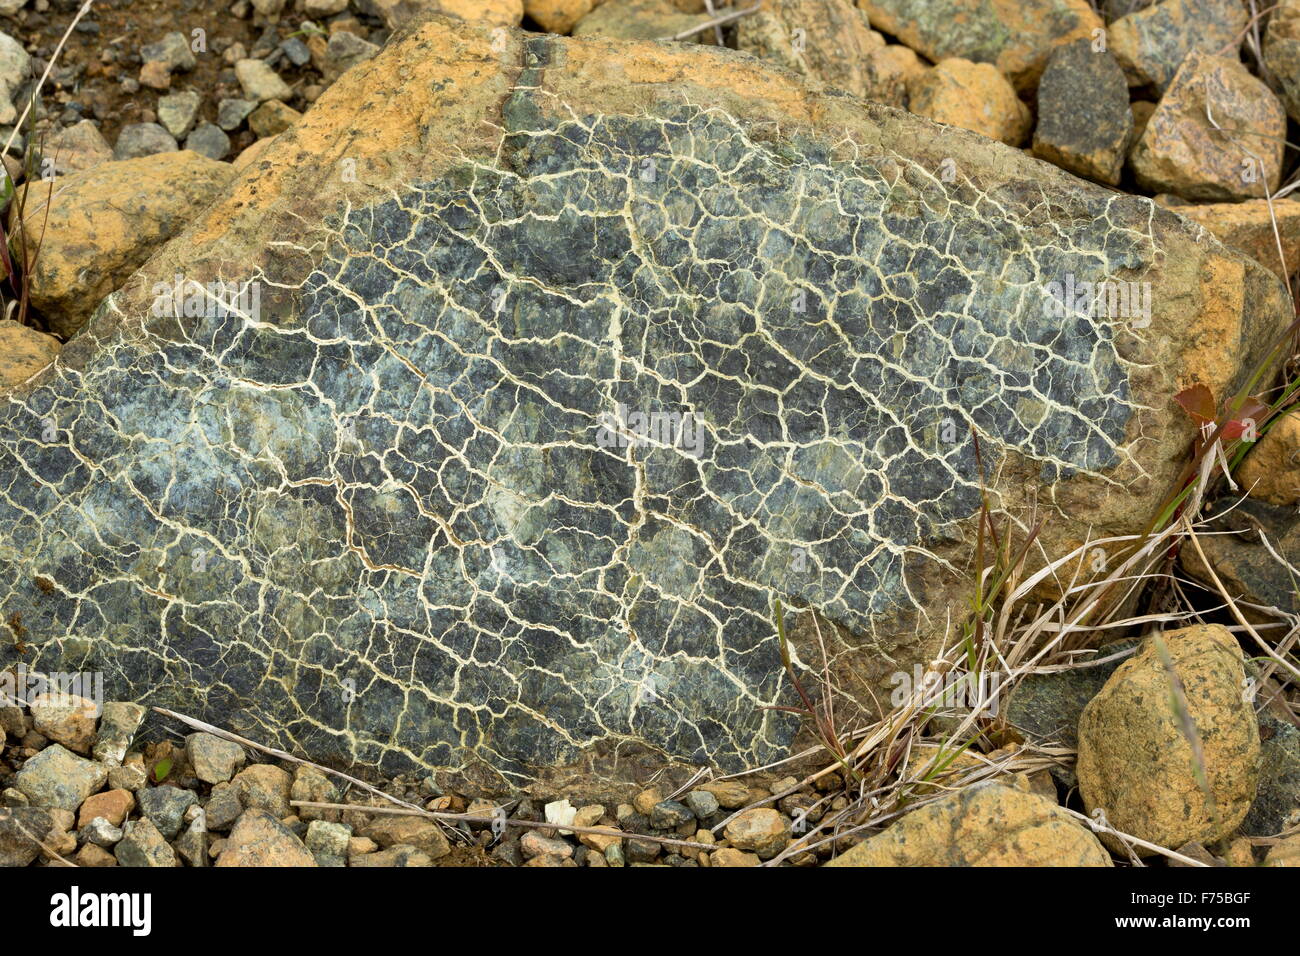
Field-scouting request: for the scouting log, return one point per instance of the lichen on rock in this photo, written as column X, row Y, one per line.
column 400, row 510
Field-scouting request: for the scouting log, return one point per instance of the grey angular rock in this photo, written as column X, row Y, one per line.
column 142, row 845
column 344, row 51
column 1016, row 37
column 214, row 758
column 20, row 829
column 177, row 112
column 99, row 832
column 258, row 839
column 399, row 856
column 15, row 68
column 223, row 807
column 702, row 803
column 13, row 722
column 117, row 726
column 165, row 807
column 260, row 82
column 1282, row 53
column 474, row 513
column 328, row 842
column 143, row 139
column 77, row 147
column 57, row 778
column 297, row 51
column 1150, row 43
column 192, row 845
column 173, row 50
column 232, row 113
column 669, row 814
column 1239, row 557
column 208, row 140
column 1084, row 120
column 1277, row 801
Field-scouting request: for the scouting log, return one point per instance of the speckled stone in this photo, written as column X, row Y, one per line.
column 1084, row 120
column 400, row 519
column 1151, row 43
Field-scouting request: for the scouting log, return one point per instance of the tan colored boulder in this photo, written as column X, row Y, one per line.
column 1016, row 36
column 642, row 20
column 761, row 829
column 112, row 805
column 104, row 222
column 1285, row 852
column 1136, row 763
column 558, row 16
column 600, row 842
column 252, row 152
column 259, row 839
column 1181, row 150
column 77, row 147
column 1248, row 227
column 403, row 13
column 729, row 857
column 272, row 118
column 982, row 825
column 66, row 719
column 23, row 352
column 730, row 794
column 393, row 830
column 1142, row 112
column 895, row 60
column 828, row 41
column 94, row 856
column 974, row 96
column 1271, row 470
column 264, row 786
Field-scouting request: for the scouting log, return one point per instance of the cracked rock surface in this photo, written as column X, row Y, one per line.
column 397, row 511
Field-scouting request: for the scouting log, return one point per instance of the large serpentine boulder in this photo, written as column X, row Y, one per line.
column 390, row 513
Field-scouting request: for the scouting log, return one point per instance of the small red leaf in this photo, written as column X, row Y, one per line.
column 1198, row 403
column 1246, row 422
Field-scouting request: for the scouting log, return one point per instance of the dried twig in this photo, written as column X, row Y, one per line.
column 280, row 754
column 507, row 821
column 715, row 22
